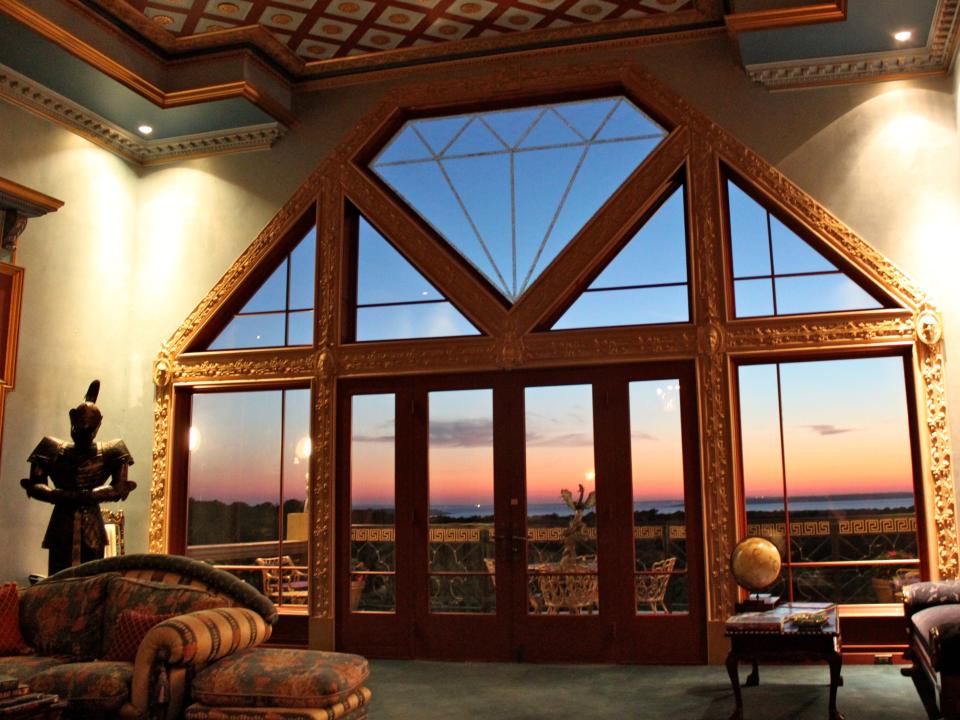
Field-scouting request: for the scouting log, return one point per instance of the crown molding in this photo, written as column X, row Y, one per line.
column 40, row 100
column 835, row 11
column 935, row 58
column 98, row 48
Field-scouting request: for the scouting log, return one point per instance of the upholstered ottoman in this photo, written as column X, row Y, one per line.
column 281, row 684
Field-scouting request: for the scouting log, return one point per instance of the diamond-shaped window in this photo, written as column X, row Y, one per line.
column 510, row 188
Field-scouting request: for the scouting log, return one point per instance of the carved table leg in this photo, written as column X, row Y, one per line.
column 753, row 679
column 732, row 671
column 836, row 662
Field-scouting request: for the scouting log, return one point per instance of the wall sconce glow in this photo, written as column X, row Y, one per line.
column 144, row 129
column 194, row 442
column 902, row 35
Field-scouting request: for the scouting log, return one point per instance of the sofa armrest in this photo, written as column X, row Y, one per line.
column 945, row 647
column 191, row 641
column 921, row 595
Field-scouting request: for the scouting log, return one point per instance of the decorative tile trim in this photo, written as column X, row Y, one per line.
column 20, row 90
column 934, row 59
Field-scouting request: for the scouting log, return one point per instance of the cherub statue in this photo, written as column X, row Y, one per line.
column 84, row 473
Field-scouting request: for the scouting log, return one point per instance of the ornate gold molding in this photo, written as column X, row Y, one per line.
column 712, row 340
column 931, row 358
column 708, row 279
column 292, row 362
column 811, row 332
column 160, row 468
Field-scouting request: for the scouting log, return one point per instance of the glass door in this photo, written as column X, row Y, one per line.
column 543, row 516
column 461, row 606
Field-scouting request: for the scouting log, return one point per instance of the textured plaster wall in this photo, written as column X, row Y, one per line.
column 118, row 268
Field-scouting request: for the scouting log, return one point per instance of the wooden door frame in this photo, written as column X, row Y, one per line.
column 513, row 633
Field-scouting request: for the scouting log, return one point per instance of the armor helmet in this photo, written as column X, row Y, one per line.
column 85, row 418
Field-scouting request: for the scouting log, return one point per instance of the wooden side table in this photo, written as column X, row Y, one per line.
column 787, row 645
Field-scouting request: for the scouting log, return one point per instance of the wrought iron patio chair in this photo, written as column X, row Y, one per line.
column 283, row 581
column 652, row 584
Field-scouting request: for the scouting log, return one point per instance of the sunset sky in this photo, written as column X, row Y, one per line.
column 845, row 428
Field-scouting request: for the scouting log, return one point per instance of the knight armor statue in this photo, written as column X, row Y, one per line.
column 83, row 474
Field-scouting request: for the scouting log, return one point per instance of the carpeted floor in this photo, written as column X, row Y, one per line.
column 418, row 690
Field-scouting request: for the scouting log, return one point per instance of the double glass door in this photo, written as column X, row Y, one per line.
column 545, row 516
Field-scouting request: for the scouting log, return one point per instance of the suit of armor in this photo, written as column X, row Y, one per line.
column 83, row 474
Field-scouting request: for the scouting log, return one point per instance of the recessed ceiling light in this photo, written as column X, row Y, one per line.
column 902, row 36
column 145, row 129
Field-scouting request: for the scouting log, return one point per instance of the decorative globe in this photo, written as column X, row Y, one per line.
column 755, row 563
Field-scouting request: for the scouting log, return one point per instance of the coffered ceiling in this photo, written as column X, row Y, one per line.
column 213, row 76
column 321, row 29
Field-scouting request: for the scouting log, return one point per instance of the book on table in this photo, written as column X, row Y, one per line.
column 774, row 620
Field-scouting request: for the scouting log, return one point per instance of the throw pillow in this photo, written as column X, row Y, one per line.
column 11, row 641
column 65, row 617
column 131, row 628
column 152, row 598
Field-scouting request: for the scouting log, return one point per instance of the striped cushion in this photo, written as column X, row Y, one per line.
column 352, row 707
column 273, row 677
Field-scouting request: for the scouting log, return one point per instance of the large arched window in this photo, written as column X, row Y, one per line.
column 567, row 347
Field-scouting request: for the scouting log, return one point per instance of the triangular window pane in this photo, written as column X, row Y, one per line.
column 776, row 272
column 646, row 283
column 280, row 311
column 509, row 189
column 394, row 301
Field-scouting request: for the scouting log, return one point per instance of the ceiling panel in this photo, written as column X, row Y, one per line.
column 322, row 29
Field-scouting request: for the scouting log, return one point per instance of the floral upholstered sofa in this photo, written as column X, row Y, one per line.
column 123, row 637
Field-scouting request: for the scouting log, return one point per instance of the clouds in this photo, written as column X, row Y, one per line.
column 461, row 433
column 534, row 439
column 830, row 429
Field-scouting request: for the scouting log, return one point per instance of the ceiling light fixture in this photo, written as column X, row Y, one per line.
column 145, row 129
column 902, row 36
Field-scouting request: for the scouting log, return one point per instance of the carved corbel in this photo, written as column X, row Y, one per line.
column 17, row 204
column 12, row 225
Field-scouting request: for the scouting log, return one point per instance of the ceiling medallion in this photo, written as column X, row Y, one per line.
column 163, row 19
column 228, row 7
column 281, row 19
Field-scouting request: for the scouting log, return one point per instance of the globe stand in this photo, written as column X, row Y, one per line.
column 758, row 602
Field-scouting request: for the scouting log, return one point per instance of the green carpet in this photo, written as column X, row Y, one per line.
column 419, row 690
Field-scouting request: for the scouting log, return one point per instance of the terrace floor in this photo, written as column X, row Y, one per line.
column 404, row 690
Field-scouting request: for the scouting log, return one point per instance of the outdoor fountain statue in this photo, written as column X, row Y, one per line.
column 576, row 530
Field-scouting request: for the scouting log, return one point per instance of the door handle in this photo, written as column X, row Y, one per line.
column 515, row 542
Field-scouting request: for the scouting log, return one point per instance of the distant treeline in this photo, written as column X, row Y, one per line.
column 212, row 522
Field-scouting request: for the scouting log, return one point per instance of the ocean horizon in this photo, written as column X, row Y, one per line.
column 878, row 501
